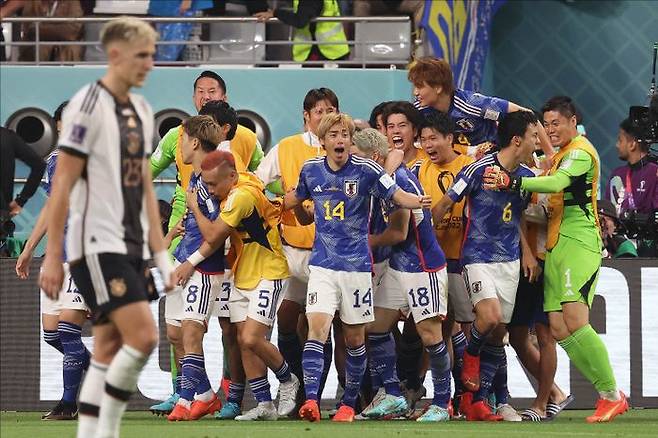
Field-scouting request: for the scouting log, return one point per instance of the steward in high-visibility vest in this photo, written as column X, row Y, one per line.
column 327, row 31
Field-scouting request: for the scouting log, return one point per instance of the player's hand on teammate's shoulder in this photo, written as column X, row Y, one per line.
column 182, row 273
column 191, row 199
column 52, row 276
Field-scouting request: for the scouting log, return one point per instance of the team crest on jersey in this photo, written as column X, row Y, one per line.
column 465, row 124
column 477, row 287
column 351, row 187
column 118, row 287
column 133, row 143
column 312, row 298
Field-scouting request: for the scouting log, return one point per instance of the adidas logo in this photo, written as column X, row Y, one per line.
column 366, row 313
column 425, row 312
column 77, row 300
column 262, row 313
column 569, row 293
column 317, row 189
column 189, row 309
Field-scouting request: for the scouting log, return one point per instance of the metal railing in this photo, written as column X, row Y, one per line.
column 363, row 59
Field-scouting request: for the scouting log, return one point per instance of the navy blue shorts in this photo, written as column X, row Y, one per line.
column 529, row 305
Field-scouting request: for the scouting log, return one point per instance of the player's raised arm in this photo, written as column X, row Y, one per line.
column 411, row 200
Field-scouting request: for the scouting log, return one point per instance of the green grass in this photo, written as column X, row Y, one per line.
column 144, row 425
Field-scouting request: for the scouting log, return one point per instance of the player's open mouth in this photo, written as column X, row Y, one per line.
column 432, row 154
column 339, row 150
column 397, row 141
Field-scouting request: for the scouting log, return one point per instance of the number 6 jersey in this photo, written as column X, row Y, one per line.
column 342, row 210
column 492, row 217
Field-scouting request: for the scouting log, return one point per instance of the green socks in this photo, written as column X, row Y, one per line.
column 590, row 355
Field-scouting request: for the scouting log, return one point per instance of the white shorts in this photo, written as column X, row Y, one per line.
column 458, row 299
column 220, row 309
column 174, row 307
column 259, row 304
column 424, row 294
column 493, row 280
column 349, row 293
column 378, row 271
column 69, row 297
column 298, row 266
column 195, row 300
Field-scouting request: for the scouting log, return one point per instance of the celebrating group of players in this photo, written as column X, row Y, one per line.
column 434, row 216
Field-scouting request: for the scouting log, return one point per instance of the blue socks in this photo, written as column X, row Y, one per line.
column 193, row 378
column 260, row 387
column 313, row 365
column 235, row 393
column 440, row 366
column 52, row 338
column 328, row 357
column 490, row 359
column 283, row 373
column 355, row 368
column 500, row 380
column 477, row 341
column 459, row 343
column 76, row 359
column 383, row 370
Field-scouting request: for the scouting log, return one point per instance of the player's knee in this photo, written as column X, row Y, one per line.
column 518, row 338
column 353, row 340
column 249, row 341
column 174, row 334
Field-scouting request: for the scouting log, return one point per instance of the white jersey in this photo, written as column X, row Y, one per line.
column 107, row 208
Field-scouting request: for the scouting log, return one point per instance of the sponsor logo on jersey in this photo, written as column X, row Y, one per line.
column 317, row 189
column 351, row 187
column 118, row 287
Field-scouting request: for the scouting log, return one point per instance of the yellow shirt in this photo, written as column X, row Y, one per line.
column 436, row 180
column 421, row 155
column 255, row 237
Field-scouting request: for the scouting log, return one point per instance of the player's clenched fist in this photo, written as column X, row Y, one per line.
column 495, row 178
column 51, row 277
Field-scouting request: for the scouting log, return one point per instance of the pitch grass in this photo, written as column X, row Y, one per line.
column 637, row 422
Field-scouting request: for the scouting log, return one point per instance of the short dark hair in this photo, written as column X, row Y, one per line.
column 211, row 75
column 440, row 122
column 403, row 107
column 433, row 72
column 57, row 115
column 514, row 124
column 223, row 113
column 634, row 131
column 563, row 105
column 315, row 95
column 378, row 110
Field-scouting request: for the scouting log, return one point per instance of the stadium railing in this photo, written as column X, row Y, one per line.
column 364, row 51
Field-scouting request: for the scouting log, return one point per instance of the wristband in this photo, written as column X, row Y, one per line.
column 163, row 263
column 196, row 258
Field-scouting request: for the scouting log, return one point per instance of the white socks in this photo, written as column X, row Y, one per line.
column 91, row 393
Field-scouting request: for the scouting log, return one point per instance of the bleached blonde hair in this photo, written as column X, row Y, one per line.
column 127, row 29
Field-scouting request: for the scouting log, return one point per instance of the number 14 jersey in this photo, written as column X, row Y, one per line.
column 342, row 201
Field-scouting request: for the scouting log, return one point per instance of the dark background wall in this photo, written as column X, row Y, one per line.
column 597, row 52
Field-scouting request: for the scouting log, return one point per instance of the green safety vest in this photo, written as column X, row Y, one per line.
column 324, row 32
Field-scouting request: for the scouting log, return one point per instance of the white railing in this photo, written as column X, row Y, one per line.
column 404, row 42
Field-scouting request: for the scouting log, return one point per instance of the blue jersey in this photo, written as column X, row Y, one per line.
column 420, row 251
column 492, row 217
column 474, row 114
column 378, row 223
column 192, row 239
column 51, row 164
column 342, row 202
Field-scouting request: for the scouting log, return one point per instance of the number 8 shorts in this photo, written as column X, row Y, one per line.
column 423, row 294
column 259, row 304
column 195, row 300
column 349, row 293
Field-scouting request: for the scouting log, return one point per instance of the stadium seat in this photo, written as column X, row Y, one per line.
column 244, row 38
column 371, row 33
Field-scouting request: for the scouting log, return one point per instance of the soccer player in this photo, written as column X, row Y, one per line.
column 281, row 166
column 340, row 186
column 436, row 174
column 414, row 282
column 201, row 135
column 490, row 259
column 474, row 114
column 106, row 136
column 573, row 249
column 62, row 319
column 401, row 120
column 260, row 276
